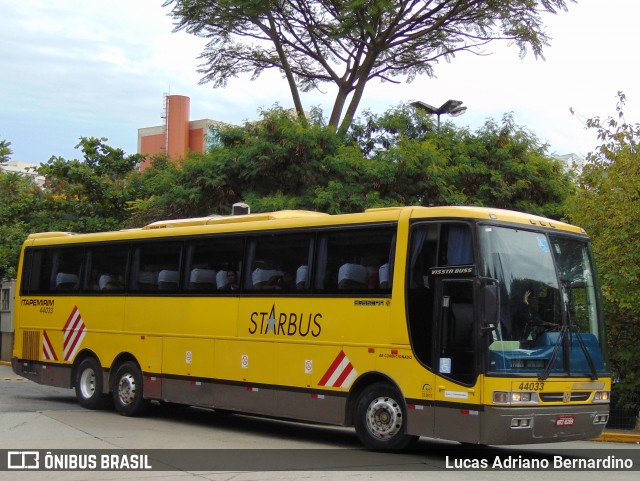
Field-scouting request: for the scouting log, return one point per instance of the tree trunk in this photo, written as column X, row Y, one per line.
column 363, row 77
column 338, row 106
column 293, row 87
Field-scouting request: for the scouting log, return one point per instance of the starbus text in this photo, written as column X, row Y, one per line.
column 286, row 323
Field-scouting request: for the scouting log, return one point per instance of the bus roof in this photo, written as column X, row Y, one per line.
column 501, row 215
column 302, row 218
column 221, row 219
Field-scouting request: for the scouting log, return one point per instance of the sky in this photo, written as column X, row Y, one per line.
column 97, row 68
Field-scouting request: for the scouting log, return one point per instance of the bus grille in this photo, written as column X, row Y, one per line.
column 30, row 345
column 558, row 397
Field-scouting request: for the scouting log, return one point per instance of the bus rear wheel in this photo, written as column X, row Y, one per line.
column 128, row 390
column 88, row 384
column 381, row 419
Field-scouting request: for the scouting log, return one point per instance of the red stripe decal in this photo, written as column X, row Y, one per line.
column 332, row 368
column 343, row 376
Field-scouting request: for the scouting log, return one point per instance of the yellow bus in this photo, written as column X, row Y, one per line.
column 476, row 325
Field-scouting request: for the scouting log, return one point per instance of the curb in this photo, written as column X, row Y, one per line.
column 619, row 438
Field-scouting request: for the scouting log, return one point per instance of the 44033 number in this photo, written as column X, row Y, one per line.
column 531, row 386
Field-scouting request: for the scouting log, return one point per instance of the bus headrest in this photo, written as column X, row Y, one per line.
column 260, row 276
column 65, row 279
column 203, row 276
column 352, row 272
column 168, row 276
column 302, row 277
column 384, row 276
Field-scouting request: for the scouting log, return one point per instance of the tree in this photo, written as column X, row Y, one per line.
column 5, row 152
column 273, row 164
column 399, row 158
column 347, row 43
column 607, row 205
column 91, row 194
column 79, row 196
column 500, row 165
column 20, row 210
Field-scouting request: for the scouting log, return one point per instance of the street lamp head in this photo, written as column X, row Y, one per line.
column 430, row 109
column 457, row 111
column 450, row 107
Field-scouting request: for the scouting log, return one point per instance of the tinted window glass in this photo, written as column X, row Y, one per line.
column 106, row 268
column 279, row 263
column 156, row 267
column 356, row 260
column 213, row 265
column 53, row 270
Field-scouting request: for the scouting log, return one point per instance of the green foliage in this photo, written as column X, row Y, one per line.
column 607, row 205
column 398, row 158
column 5, row 151
column 274, row 163
column 501, row 165
column 91, row 194
column 20, row 209
column 86, row 195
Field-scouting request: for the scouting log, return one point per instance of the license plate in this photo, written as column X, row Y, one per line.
column 565, row 421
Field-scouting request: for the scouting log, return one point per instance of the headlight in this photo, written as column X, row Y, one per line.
column 601, row 396
column 511, row 397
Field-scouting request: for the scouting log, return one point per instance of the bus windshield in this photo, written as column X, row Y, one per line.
column 549, row 318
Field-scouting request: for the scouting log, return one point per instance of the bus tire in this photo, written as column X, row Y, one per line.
column 380, row 420
column 128, row 390
column 88, row 385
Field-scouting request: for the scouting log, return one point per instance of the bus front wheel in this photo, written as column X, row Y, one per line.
column 88, row 385
column 127, row 391
column 380, row 421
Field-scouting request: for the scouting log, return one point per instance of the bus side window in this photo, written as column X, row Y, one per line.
column 275, row 263
column 355, row 260
column 213, row 265
column 66, row 269
column 156, row 267
column 106, row 268
column 36, row 271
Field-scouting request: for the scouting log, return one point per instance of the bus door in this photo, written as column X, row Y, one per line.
column 440, row 306
column 457, row 397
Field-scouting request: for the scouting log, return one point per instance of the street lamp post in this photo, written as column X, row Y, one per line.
column 450, row 107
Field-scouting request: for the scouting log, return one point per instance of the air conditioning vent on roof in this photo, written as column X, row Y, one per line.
column 240, row 208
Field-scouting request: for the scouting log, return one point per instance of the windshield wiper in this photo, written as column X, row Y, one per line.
column 583, row 346
column 554, row 354
column 564, row 330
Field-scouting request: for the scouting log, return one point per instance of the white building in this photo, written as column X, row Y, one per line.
column 25, row 168
column 573, row 162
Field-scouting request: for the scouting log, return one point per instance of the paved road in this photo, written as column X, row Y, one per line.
column 34, row 417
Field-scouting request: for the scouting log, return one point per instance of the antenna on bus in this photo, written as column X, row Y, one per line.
column 240, row 208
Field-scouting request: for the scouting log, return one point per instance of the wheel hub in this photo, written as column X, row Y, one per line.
column 88, row 383
column 127, row 389
column 384, row 418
